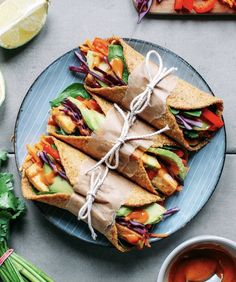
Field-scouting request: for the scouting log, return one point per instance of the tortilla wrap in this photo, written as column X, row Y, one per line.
column 91, row 146
column 184, row 96
column 116, row 191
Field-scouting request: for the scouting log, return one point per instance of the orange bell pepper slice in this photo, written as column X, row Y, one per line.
column 51, row 151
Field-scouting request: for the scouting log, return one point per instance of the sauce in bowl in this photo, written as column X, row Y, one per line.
column 202, row 262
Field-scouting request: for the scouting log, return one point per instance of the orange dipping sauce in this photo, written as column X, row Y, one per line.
column 201, row 263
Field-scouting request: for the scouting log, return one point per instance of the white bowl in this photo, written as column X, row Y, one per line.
column 227, row 244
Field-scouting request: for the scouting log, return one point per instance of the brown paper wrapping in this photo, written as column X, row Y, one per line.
column 130, row 164
column 183, row 96
column 106, row 137
column 114, row 192
column 138, row 80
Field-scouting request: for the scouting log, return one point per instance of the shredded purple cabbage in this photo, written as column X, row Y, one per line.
column 133, row 225
column 114, row 79
column 46, row 159
column 71, row 109
column 106, row 78
column 85, row 70
column 143, row 7
column 170, row 212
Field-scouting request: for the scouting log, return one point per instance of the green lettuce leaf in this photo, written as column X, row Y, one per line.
column 74, row 90
column 116, row 51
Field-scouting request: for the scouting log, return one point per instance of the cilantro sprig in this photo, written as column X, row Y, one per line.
column 15, row 268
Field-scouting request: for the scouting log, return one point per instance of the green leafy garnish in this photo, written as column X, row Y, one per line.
column 174, row 111
column 191, row 134
column 74, row 90
column 3, row 157
column 15, row 268
column 195, row 113
column 116, row 51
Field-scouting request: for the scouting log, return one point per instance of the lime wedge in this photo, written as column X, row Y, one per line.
column 20, row 21
column 2, row 89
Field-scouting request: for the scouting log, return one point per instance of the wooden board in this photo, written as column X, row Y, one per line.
column 166, row 7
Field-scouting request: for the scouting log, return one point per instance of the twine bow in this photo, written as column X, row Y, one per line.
column 111, row 159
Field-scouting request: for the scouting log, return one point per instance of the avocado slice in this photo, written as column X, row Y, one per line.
column 92, row 118
column 47, row 169
column 150, row 162
column 123, row 211
column 172, row 158
column 155, row 213
column 60, row 185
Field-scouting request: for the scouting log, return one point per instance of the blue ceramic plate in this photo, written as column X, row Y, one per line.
column 205, row 166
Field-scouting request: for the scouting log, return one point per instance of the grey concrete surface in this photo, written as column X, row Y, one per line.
column 209, row 45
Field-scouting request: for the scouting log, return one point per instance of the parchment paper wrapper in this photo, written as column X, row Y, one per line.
column 99, row 144
column 138, row 80
column 180, row 95
column 115, row 192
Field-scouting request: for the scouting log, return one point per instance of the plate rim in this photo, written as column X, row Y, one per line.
column 37, row 204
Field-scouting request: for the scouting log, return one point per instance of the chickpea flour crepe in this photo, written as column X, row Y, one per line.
column 115, row 71
column 92, row 125
column 53, row 173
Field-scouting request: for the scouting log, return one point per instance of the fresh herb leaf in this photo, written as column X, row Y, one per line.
column 116, row 51
column 6, row 182
column 3, row 157
column 191, row 134
column 174, row 111
column 15, row 268
column 74, row 90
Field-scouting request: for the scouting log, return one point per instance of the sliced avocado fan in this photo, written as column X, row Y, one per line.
column 171, row 157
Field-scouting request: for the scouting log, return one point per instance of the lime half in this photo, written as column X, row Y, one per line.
column 20, row 21
column 2, row 89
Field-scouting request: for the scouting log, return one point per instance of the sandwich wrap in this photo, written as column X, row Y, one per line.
column 115, row 192
column 171, row 93
column 134, row 158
